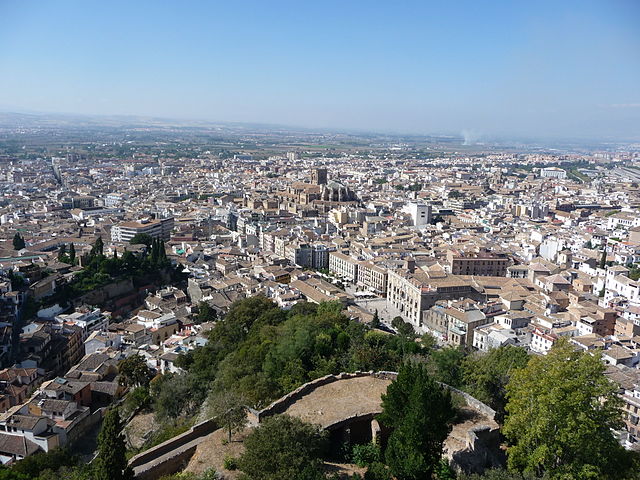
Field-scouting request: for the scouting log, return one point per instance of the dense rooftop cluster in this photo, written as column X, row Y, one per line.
column 135, row 246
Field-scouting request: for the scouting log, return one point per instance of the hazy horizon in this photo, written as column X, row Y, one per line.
column 540, row 70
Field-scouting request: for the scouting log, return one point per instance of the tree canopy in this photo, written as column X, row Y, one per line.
column 262, row 352
column 420, row 412
column 284, row 447
column 18, row 242
column 206, row 313
column 228, row 408
column 134, row 372
column 487, row 375
column 445, row 365
column 560, row 413
column 111, row 461
column 141, row 239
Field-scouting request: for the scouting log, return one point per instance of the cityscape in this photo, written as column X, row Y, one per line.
column 317, row 295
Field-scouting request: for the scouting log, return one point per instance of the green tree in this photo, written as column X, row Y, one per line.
column 372, row 352
column 446, row 365
column 72, row 254
column 284, row 447
column 98, row 248
column 404, row 328
column 176, row 395
column 428, row 342
column 206, row 313
column 162, row 254
column 33, row 465
column 420, row 412
column 62, row 253
column 134, row 372
column 18, row 241
column 375, row 321
column 487, row 375
column 228, row 408
column 111, row 461
column 81, row 472
column 560, row 413
column 377, row 471
column 141, row 239
column 10, row 474
column 634, row 272
column 365, row 454
column 138, row 398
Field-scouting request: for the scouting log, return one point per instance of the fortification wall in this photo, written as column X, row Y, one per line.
column 474, row 402
column 104, row 293
column 170, row 464
column 169, row 456
column 482, row 451
column 283, row 403
column 173, row 444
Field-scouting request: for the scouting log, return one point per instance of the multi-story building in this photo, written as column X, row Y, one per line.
column 618, row 284
column 24, row 435
column 343, row 266
column 88, row 321
column 484, row 264
column 454, row 325
column 414, row 292
column 628, row 380
column 420, row 213
column 553, row 172
column 113, row 200
column 372, row 277
column 312, row 256
column 83, row 201
column 160, row 228
column 623, row 220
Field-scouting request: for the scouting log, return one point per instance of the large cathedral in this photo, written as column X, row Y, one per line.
column 334, row 191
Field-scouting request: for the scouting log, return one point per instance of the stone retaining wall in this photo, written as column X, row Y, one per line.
column 195, row 432
column 474, row 402
column 172, row 463
column 177, row 450
column 283, row 403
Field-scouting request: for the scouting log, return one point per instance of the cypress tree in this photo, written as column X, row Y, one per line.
column 420, row 412
column 162, row 252
column 72, row 254
column 98, row 248
column 155, row 252
column 62, row 253
column 375, row 322
column 111, row 462
column 18, row 242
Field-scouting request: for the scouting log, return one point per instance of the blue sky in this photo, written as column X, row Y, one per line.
column 537, row 68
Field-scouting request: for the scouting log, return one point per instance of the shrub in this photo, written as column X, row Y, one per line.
column 366, row 454
column 138, row 398
column 377, row 471
column 230, row 463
